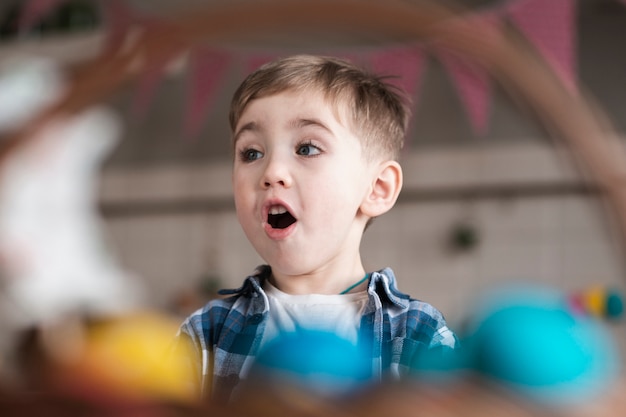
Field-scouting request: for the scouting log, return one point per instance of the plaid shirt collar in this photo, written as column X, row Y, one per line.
column 381, row 282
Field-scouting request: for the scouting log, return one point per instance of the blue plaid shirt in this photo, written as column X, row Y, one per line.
column 226, row 333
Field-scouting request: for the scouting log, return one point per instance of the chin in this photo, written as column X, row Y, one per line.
column 292, row 268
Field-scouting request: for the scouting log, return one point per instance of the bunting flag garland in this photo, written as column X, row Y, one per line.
column 550, row 26
column 207, row 69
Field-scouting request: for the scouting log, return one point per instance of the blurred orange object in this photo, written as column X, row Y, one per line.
column 133, row 356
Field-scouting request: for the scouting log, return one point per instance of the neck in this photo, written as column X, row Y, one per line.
column 356, row 285
column 320, row 282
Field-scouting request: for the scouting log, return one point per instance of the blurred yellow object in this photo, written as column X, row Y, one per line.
column 136, row 356
column 595, row 301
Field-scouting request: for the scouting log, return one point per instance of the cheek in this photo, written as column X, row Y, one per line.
column 246, row 219
column 241, row 183
column 243, row 198
column 244, row 205
column 339, row 198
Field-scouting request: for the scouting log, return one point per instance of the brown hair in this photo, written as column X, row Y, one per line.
column 377, row 111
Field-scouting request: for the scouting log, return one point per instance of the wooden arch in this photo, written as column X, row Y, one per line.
column 567, row 114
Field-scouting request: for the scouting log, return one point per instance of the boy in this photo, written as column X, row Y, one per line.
column 316, row 144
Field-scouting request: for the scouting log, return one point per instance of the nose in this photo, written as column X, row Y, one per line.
column 276, row 173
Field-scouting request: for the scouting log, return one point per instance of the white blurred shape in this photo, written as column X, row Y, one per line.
column 53, row 256
column 27, row 85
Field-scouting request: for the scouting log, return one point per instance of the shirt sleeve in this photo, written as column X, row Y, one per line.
column 188, row 344
column 444, row 337
column 426, row 324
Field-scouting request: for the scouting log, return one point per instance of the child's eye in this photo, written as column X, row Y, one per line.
column 308, row 149
column 249, row 155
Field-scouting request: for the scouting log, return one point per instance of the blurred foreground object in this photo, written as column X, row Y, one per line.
column 27, row 86
column 524, row 353
column 320, row 363
column 131, row 356
column 597, row 301
column 497, row 384
column 527, row 340
column 56, row 269
column 54, row 259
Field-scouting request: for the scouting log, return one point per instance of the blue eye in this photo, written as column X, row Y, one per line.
column 249, row 155
column 308, row 149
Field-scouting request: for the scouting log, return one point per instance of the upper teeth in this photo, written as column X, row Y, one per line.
column 277, row 210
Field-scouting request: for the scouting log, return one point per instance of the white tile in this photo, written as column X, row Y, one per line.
column 437, row 169
column 525, row 163
column 585, row 215
column 520, row 163
column 522, row 219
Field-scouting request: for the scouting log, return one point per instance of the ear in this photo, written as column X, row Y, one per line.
column 384, row 191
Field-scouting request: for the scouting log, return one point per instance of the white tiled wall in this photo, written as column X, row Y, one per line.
column 525, row 239
column 565, row 240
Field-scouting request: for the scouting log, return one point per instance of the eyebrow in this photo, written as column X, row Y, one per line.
column 305, row 122
column 297, row 123
column 248, row 127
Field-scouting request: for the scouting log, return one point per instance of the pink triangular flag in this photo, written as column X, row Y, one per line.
column 404, row 66
column 35, row 10
column 550, row 26
column 207, row 70
column 474, row 87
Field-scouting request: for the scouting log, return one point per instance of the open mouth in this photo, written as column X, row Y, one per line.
column 279, row 218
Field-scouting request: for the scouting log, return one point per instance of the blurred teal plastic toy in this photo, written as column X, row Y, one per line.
column 529, row 340
column 320, row 362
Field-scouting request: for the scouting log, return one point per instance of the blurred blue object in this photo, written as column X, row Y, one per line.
column 614, row 305
column 529, row 340
column 320, row 362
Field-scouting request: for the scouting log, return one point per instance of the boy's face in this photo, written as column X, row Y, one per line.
column 299, row 179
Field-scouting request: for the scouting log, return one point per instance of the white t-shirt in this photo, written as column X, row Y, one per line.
column 336, row 313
